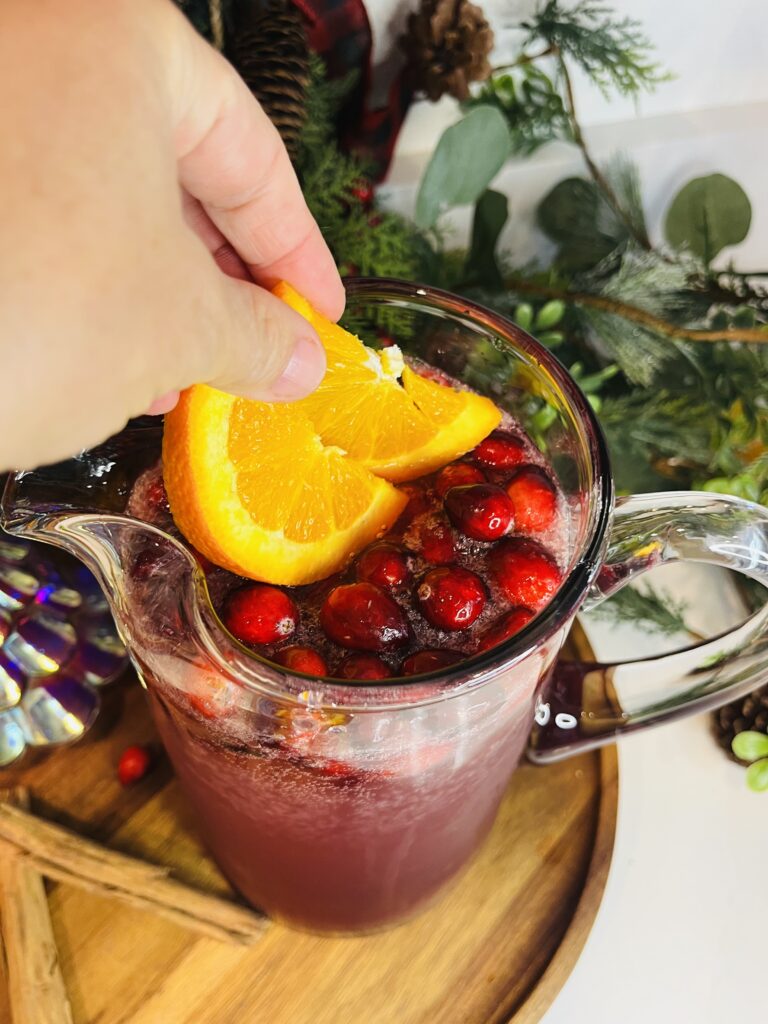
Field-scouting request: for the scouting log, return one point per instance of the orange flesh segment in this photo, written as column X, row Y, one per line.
column 399, row 431
column 289, row 493
column 253, row 489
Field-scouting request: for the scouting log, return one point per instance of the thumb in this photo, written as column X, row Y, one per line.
column 264, row 349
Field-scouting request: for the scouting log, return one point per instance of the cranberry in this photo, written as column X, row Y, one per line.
column 363, row 666
column 525, row 572
column 418, row 503
column 500, row 450
column 434, row 541
column 362, row 190
column 147, row 561
column 504, row 628
column 133, row 765
column 430, row 661
column 481, row 511
column 363, row 617
column 533, row 498
column 384, row 565
column 156, row 494
column 451, row 598
column 458, row 474
column 302, row 659
column 260, row 614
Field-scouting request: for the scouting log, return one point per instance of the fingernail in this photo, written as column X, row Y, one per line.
column 305, row 370
column 163, row 404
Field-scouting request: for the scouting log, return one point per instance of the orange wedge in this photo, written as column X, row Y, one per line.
column 252, row 486
column 288, row 493
column 396, row 423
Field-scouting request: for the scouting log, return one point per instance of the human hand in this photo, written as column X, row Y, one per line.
column 137, row 167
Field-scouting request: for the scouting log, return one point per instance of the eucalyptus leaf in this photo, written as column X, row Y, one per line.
column 750, row 745
column 491, row 211
column 757, row 776
column 466, row 159
column 576, row 216
column 707, row 214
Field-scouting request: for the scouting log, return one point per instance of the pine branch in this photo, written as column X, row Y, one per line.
column 637, row 231
column 636, row 315
column 612, row 51
column 524, row 58
column 649, row 608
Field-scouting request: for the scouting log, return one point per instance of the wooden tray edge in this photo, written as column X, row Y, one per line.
column 561, row 965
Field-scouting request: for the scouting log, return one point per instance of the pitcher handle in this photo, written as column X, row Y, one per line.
column 586, row 705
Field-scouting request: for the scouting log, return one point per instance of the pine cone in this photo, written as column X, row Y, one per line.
column 750, row 712
column 446, row 45
column 268, row 46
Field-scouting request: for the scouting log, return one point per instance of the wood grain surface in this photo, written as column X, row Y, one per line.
column 496, row 948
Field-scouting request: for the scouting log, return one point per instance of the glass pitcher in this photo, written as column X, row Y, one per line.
column 345, row 807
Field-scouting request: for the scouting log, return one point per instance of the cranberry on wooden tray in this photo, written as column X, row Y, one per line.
column 363, row 617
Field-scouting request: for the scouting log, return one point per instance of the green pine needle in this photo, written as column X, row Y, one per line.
column 612, row 51
column 650, row 608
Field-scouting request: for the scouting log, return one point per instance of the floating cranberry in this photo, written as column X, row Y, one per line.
column 133, row 765
column 383, row 564
column 434, row 541
column 452, row 597
column 430, row 661
column 147, row 561
column 302, row 659
column 363, row 617
column 504, row 628
column 458, row 474
column 481, row 511
column 156, row 494
column 363, row 666
column 533, row 498
column 419, row 503
column 260, row 614
column 525, row 572
column 500, row 450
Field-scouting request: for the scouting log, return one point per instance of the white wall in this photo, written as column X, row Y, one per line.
column 712, row 117
column 718, row 51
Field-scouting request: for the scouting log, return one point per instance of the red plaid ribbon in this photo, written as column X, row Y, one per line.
column 340, row 33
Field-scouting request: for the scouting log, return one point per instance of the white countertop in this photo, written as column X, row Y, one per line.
column 681, row 930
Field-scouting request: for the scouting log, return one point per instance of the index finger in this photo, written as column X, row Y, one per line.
column 232, row 159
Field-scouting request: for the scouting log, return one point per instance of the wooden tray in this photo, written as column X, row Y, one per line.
column 496, row 948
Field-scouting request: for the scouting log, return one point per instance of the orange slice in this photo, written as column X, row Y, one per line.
column 396, row 423
column 252, row 486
